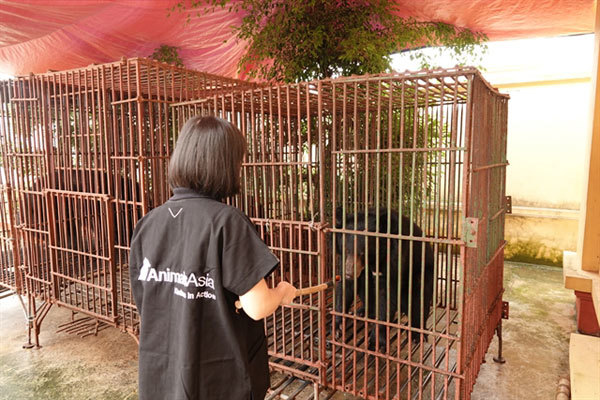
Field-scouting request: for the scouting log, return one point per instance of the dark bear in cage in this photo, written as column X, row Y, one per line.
column 367, row 262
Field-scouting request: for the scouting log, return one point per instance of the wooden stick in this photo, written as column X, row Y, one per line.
column 304, row 291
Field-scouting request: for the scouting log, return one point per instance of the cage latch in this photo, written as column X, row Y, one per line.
column 317, row 226
column 505, row 310
column 470, row 228
column 509, row 204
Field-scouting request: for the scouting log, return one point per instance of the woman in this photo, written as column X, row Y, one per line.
column 191, row 259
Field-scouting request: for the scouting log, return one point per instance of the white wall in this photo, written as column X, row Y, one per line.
column 547, row 128
column 549, row 110
column 548, row 119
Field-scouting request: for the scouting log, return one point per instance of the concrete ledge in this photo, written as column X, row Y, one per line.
column 581, row 281
column 576, row 279
column 584, row 361
column 540, row 212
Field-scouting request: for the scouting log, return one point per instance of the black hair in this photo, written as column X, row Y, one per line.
column 208, row 157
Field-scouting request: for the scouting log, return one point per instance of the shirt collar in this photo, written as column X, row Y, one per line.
column 181, row 193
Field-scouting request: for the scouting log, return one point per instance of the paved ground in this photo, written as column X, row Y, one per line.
column 105, row 367
column 536, row 337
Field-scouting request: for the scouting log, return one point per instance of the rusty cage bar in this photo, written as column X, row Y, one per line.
column 10, row 275
column 283, row 190
column 430, row 146
column 85, row 153
column 417, row 158
column 395, row 182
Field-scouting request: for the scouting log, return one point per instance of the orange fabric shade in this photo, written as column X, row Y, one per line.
column 39, row 35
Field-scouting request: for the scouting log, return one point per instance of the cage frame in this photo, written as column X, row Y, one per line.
column 43, row 109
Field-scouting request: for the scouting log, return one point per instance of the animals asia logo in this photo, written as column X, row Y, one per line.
column 190, row 281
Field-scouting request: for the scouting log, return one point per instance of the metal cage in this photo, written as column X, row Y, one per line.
column 428, row 149
column 85, row 153
column 394, row 182
column 430, row 146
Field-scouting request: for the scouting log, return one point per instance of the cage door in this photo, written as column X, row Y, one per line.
column 10, row 275
column 82, row 252
column 296, row 333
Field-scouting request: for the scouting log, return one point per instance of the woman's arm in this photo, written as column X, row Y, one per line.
column 261, row 301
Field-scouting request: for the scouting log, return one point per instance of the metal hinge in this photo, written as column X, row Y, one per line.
column 470, row 228
column 509, row 204
column 505, row 310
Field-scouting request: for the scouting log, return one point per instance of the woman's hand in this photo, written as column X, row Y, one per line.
column 262, row 301
column 288, row 292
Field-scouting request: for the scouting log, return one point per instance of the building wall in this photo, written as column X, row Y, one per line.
column 547, row 128
column 549, row 84
column 550, row 88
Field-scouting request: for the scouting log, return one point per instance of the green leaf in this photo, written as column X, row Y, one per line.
column 167, row 54
column 293, row 40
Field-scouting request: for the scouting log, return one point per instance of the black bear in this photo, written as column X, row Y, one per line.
column 352, row 250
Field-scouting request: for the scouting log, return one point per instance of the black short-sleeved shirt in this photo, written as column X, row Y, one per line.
column 191, row 259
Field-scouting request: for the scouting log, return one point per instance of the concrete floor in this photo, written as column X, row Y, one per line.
column 536, row 341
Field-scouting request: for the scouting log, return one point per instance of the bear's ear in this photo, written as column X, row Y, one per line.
column 339, row 215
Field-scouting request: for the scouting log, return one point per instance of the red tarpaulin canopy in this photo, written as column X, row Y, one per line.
column 41, row 35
